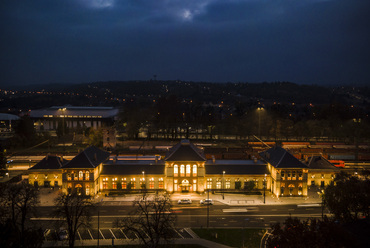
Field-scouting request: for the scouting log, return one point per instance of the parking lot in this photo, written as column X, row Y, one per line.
column 109, row 234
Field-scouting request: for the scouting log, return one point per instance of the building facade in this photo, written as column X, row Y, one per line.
column 183, row 169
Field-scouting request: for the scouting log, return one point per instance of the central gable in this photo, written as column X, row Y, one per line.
column 281, row 158
column 185, row 151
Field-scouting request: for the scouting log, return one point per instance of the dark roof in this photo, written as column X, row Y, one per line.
column 49, row 162
column 133, row 169
column 319, row 162
column 88, row 158
column 281, row 158
column 237, row 169
column 185, row 151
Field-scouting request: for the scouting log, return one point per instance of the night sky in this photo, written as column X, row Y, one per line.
column 324, row 42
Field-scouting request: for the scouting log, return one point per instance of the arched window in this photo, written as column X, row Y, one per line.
column 188, row 170
column 176, row 170
column 79, row 189
column 87, row 190
column 87, row 175
column 80, row 175
column 195, row 171
column 182, row 170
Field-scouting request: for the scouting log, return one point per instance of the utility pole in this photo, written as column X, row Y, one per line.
column 264, row 190
column 98, row 228
column 208, row 209
column 223, row 185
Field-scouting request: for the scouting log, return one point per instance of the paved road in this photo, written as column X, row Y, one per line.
column 195, row 214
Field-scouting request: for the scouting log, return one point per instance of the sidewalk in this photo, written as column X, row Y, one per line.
column 48, row 195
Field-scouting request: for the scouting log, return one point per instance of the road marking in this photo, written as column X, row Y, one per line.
column 123, row 234
column 101, row 234
column 106, row 222
column 234, row 210
column 309, row 205
column 112, row 233
column 90, row 234
column 179, row 233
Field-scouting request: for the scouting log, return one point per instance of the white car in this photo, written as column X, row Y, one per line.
column 206, row 202
column 63, row 234
column 184, row 201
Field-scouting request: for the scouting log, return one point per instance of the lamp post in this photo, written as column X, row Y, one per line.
column 63, row 128
column 208, row 209
column 321, row 194
column 259, row 109
column 143, row 179
column 223, row 185
column 264, row 189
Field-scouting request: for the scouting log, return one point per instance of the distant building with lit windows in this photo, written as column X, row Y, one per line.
column 73, row 117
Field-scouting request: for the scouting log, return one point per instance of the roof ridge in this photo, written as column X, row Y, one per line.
column 285, row 151
column 88, row 156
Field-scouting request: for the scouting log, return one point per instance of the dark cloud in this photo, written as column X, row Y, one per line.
column 306, row 41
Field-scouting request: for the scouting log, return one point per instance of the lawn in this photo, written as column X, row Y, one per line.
column 250, row 238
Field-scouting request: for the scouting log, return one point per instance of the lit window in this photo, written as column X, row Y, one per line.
column 114, row 185
column 87, row 190
column 176, row 170
column 218, row 184
column 188, row 170
column 151, row 183
column 105, row 185
column 209, row 183
column 87, row 175
column 175, row 185
column 195, row 170
column 160, row 183
column 194, row 185
column 182, row 170
column 80, row 175
column 228, row 184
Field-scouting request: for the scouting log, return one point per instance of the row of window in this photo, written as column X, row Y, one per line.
column 185, row 170
column 131, row 184
column 291, row 175
column 79, row 176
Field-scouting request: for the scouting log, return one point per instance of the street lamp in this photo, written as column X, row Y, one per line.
column 259, row 109
column 63, row 124
column 321, row 194
column 264, row 189
column 223, row 185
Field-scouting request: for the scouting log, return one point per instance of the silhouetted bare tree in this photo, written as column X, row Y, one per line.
column 75, row 211
column 152, row 220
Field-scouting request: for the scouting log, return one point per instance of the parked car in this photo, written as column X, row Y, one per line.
column 63, row 234
column 206, row 201
column 184, row 201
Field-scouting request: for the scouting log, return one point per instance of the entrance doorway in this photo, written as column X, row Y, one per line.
column 185, row 186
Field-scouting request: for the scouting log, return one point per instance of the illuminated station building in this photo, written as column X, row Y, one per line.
column 183, row 169
column 73, row 117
